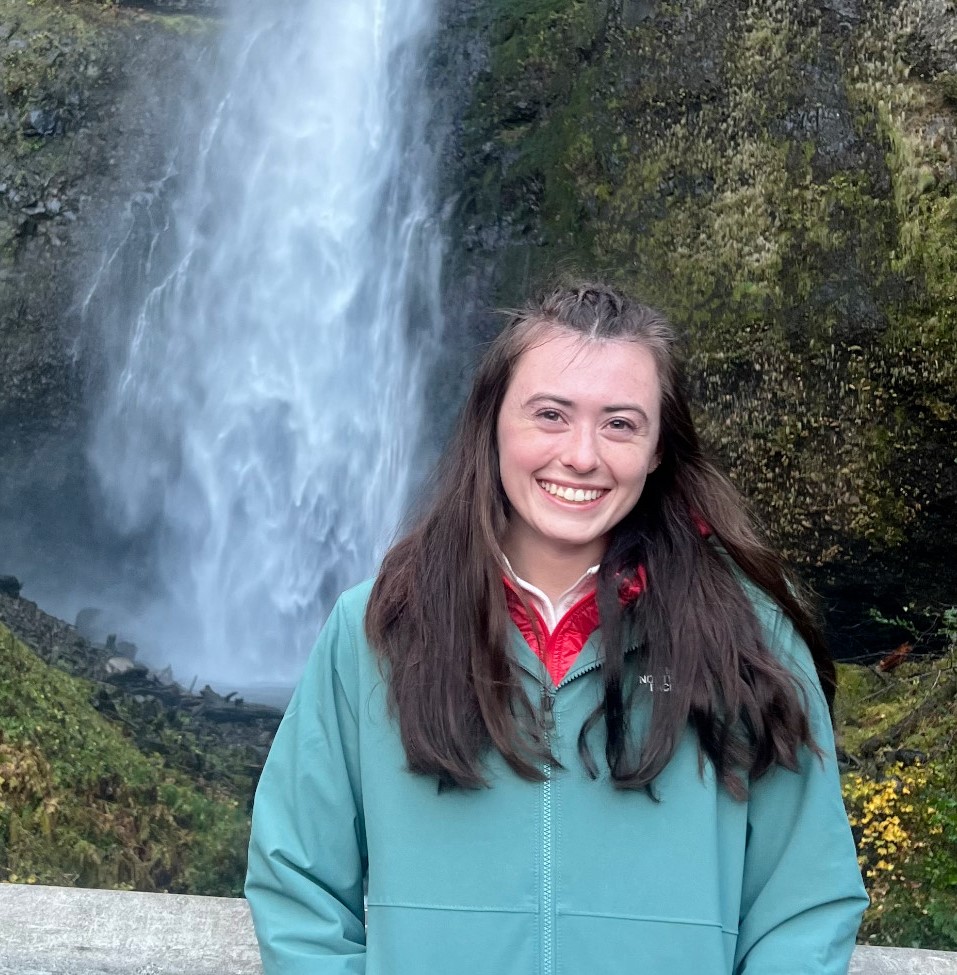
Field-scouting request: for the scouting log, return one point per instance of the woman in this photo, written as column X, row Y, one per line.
column 577, row 724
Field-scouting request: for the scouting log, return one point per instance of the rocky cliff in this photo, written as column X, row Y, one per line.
column 778, row 175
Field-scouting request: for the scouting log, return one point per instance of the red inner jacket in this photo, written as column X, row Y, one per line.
column 558, row 649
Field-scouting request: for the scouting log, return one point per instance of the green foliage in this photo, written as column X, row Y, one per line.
column 948, row 624
column 908, row 625
column 946, row 83
column 906, row 825
column 80, row 804
column 904, row 816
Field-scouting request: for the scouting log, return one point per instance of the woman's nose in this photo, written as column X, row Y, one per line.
column 581, row 450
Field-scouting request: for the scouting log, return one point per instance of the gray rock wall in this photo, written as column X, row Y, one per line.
column 64, row 931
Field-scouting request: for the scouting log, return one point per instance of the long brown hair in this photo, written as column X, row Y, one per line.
column 438, row 619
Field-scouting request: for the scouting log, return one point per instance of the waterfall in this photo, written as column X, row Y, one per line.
column 260, row 419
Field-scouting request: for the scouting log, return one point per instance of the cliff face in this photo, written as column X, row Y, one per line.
column 779, row 176
column 86, row 91
column 83, row 92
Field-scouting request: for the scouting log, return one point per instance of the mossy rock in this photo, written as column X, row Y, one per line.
column 946, row 83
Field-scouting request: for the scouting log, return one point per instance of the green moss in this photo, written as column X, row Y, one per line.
column 680, row 158
column 946, row 84
column 80, row 804
column 58, row 45
column 917, row 362
column 187, row 25
column 867, row 704
column 856, row 687
column 870, row 704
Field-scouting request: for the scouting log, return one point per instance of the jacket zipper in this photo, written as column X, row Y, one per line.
column 548, row 894
column 548, row 722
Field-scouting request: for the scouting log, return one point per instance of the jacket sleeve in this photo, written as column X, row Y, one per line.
column 802, row 895
column 307, row 850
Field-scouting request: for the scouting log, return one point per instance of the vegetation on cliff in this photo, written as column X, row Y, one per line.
column 897, row 730
column 81, row 805
column 66, row 67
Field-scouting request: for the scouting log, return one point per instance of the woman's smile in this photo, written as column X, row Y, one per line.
column 569, row 493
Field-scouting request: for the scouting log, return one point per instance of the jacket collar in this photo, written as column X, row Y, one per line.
column 573, row 645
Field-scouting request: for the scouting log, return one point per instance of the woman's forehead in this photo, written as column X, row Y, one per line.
column 563, row 354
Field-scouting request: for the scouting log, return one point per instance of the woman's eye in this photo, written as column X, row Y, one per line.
column 617, row 423
column 550, row 415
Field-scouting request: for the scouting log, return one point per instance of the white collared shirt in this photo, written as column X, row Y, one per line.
column 552, row 612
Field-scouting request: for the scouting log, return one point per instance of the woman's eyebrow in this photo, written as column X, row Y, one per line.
column 626, row 408
column 540, row 397
column 561, row 401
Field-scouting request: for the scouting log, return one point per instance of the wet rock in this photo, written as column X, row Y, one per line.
column 124, row 648
column 636, row 12
column 908, row 756
column 165, row 676
column 116, row 666
column 40, row 209
column 10, row 586
column 846, row 11
column 41, row 122
column 122, row 671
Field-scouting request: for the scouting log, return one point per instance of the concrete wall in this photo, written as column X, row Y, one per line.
column 64, row 931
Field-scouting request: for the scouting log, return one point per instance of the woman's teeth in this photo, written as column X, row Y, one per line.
column 571, row 494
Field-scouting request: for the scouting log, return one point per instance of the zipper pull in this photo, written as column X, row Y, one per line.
column 548, row 710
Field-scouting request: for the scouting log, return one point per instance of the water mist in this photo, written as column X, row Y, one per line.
column 260, row 418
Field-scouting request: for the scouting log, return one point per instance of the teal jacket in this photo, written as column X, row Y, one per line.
column 564, row 877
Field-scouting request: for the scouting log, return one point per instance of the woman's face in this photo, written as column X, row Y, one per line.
column 577, row 436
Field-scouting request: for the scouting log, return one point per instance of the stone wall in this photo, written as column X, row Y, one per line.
column 64, row 931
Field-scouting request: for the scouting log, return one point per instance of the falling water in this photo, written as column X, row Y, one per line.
column 260, row 424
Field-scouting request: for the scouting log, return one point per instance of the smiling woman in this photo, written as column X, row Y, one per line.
column 579, row 722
